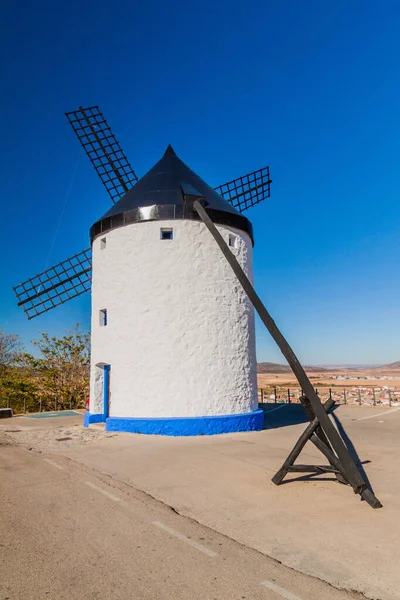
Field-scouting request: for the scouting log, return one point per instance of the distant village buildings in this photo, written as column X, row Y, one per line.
column 383, row 395
column 374, row 377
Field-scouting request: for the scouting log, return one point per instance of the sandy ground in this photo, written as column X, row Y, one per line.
column 52, row 435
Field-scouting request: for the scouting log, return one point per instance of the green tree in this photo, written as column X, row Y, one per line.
column 17, row 389
column 61, row 372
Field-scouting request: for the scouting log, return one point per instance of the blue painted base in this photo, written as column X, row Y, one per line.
column 252, row 421
column 92, row 418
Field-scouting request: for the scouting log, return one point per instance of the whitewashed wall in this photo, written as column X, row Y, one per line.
column 180, row 336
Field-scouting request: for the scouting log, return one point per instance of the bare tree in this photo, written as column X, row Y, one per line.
column 10, row 350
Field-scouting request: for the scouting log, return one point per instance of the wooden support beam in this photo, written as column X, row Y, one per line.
column 298, row 447
column 311, row 469
column 347, row 465
column 318, row 431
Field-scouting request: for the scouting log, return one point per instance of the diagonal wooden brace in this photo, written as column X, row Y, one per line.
column 347, row 465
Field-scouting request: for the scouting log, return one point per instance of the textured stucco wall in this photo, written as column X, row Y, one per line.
column 180, row 335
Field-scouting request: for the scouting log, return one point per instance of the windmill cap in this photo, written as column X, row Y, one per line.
column 170, row 150
column 167, row 191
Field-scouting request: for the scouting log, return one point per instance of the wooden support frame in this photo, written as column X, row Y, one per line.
column 330, row 444
column 288, row 465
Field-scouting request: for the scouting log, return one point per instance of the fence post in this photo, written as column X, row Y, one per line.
column 55, row 403
column 330, row 393
column 40, row 404
column 70, row 403
column 359, row 396
column 344, row 396
column 275, row 394
column 24, row 405
column 8, row 402
column 288, row 395
column 390, row 398
column 373, row 393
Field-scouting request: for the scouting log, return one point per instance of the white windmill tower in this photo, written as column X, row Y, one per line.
column 172, row 340
column 173, row 345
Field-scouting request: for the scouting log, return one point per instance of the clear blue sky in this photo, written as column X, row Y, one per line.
column 312, row 88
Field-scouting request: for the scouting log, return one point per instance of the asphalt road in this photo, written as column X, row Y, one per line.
column 69, row 532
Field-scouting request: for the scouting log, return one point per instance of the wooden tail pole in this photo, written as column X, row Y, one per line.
column 348, row 466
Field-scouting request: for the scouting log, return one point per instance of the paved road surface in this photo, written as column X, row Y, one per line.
column 69, row 532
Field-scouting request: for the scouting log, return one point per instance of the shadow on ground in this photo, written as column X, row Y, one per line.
column 282, row 415
column 353, row 452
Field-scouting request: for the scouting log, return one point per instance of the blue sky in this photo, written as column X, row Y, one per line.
column 311, row 88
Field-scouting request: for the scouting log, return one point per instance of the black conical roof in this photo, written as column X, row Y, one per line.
column 166, row 188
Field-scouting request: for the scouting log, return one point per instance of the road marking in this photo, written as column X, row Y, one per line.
column 182, row 537
column 54, row 464
column 379, row 414
column 279, row 590
column 266, row 412
column 99, row 489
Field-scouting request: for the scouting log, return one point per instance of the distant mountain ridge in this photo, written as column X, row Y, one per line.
column 269, row 367
column 395, row 366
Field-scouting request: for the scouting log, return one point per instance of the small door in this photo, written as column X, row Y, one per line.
column 107, row 390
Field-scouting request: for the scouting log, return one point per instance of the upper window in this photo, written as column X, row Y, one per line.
column 103, row 317
column 232, row 240
column 166, row 233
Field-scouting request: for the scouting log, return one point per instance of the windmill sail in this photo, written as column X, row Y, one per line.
column 66, row 280
column 103, row 150
column 248, row 190
column 72, row 277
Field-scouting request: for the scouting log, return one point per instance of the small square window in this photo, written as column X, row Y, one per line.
column 166, row 233
column 103, row 243
column 103, row 317
column 232, row 241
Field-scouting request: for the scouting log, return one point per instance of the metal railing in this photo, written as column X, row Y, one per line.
column 21, row 406
column 343, row 395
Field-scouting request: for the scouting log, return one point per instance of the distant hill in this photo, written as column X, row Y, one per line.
column 268, row 367
column 390, row 367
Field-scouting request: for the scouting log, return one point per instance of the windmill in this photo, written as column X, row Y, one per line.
column 147, row 268
column 172, row 336
column 72, row 277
